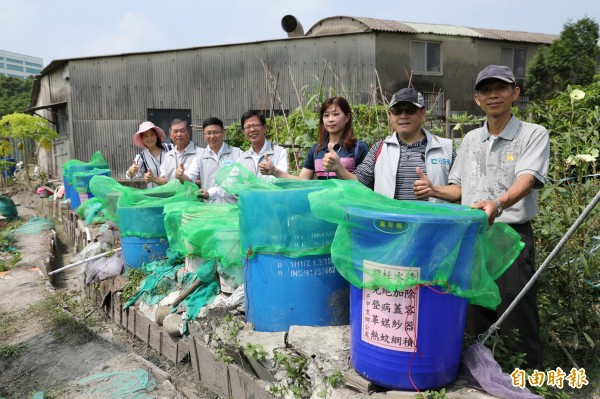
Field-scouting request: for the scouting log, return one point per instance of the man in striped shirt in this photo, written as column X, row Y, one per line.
column 390, row 167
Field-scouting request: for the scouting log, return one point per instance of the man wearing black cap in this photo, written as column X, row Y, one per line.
column 391, row 166
column 500, row 168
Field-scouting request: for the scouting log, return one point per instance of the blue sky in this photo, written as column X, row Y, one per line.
column 67, row 28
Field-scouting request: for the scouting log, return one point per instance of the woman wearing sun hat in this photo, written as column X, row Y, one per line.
column 151, row 138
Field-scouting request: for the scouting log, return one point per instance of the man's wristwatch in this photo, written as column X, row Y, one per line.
column 499, row 208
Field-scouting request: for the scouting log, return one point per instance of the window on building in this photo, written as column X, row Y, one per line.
column 434, row 102
column 14, row 68
column 32, row 70
column 14, row 61
column 425, row 57
column 33, row 64
column 61, row 121
column 514, row 58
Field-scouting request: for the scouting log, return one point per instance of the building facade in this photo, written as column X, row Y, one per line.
column 20, row 66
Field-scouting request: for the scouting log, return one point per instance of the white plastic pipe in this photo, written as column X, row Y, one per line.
column 84, row 261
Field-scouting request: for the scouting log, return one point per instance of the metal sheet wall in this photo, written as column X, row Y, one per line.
column 111, row 95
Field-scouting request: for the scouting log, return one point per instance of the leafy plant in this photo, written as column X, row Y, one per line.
column 223, row 356
column 297, row 381
column 134, row 280
column 571, row 328
column 335, row 379
column 255, row 352
column 441, row 394
column 23, row 127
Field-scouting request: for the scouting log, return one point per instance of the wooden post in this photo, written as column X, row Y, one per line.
column 448, row 130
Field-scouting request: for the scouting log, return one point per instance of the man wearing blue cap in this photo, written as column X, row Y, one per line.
column 499, row 169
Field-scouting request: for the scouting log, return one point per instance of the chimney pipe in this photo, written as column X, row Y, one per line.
column 292, row 26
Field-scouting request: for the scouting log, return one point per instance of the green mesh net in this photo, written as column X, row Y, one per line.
column 162, row 277
column 205, row 230
column 139, row 212
column 34, row 225
column 275, row 215
column 446, row 245
column 8, row 209
column 374, row 241
column 92, row 211
column 74, row 165
column 81, row 180
column 236, row 177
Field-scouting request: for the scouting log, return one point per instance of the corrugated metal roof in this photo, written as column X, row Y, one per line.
column 341, row 25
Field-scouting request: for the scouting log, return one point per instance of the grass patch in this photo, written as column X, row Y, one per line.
column 64, row 316
column 8, row 352
column 6, row 321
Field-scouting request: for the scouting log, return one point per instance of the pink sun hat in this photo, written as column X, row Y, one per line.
column 144, row 127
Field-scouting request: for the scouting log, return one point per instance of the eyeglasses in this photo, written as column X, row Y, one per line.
column 254, row 126
column 408, row 110
column 213, row 133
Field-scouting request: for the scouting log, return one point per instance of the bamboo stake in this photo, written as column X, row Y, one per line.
column 296, row 91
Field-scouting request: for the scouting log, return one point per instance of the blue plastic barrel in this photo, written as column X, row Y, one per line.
column 281, row 291
column 139, row 250
column 417, row 333
column 143, row 234
column 305, row 291
column 141, row 220
column 9, row 170
column 70, row 184
column 81, row 185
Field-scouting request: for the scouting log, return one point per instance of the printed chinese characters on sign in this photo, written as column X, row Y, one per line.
column 389, row 318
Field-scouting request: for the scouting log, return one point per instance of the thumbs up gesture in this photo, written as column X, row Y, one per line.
column 179, row 171
column 133, row 169
column 148, row 177
column 331, row 160
column 423, row 187
column 266, row 167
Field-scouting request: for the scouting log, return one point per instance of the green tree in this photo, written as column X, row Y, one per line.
column 23, row 127
column 15, row 94
column 571, row 59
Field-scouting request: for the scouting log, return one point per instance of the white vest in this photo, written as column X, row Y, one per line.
column 438, row 160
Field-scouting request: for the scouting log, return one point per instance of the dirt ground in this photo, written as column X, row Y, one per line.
column 52, row 361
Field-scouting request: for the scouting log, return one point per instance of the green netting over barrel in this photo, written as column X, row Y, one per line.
column 446, row 245
column 207, row 233
column 205, row 230
column 107, row 191
column 81, row 180
column 74, row 165
column 140, row 212
column 275, row 216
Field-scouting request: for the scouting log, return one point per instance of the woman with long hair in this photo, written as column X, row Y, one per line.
column 335, row 133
